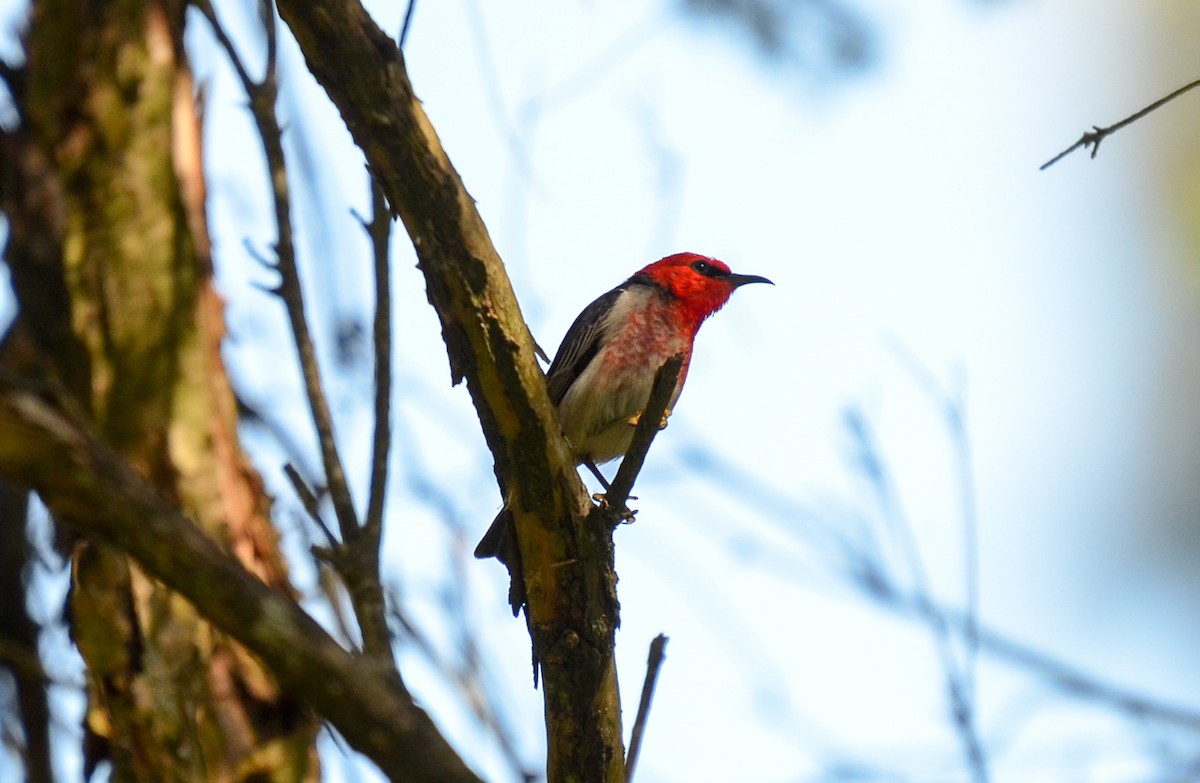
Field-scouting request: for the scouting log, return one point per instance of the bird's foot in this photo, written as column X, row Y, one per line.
column 637, row 417
column 627, row 514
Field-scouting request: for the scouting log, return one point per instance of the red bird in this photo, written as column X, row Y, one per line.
column 600, row 378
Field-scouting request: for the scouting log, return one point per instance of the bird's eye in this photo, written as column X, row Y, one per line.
column 703, row 267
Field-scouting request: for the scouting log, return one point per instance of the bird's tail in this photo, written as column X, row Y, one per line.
column 498, row 537
column 500, row 543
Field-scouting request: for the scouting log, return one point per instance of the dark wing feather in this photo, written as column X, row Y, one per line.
column 580, row 345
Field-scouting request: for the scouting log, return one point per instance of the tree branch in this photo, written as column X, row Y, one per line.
column 379, row 229
column 571, row 599
column 959, row 685
column 262, row 95
column 651, row 421
column 654, row 663
column 407, row 24
column 86, row 484
column 1097, row 134
column 863, row 569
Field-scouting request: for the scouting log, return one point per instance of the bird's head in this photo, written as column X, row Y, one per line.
column 699, row 285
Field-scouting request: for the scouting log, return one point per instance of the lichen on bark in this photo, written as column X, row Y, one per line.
column 107, row 105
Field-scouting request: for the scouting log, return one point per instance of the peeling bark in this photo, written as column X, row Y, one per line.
column 111, row 270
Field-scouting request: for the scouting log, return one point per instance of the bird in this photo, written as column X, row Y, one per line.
column 602, row 374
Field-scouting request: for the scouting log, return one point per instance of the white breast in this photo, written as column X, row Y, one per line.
column 639, row 336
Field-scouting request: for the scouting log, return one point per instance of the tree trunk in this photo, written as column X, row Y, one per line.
column 110, row 264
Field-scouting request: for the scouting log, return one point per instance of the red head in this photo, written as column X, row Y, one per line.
column 700, row 285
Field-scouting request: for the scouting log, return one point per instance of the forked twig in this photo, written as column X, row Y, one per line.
column 357, row 557
column 1097, row 134
column 263, row 95
column 959, row 684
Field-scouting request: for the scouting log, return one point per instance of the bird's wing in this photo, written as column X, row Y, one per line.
column 580, row 344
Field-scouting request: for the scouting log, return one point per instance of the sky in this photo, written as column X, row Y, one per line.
column 925, row 270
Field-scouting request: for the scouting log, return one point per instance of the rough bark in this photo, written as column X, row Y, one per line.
column 115, row 408
column 116, row 304
column 47, row 444
column 567, row 557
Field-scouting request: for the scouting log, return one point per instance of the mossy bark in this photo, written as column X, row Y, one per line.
column 133, row 327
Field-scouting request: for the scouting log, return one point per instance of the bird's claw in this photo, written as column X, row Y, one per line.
column 662, row 425
column 602, row 499
column 627, row 514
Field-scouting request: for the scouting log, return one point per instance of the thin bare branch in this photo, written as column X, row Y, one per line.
column 263, row 96
column 488, row 71
column 952, row 406
column 654, row 663
column 308, row 499
column 1065, row 676
column 266, row 10
column 380, row 232
column 407, row 24
column 358, row 559
column 1097, row 134
column 465, row 674
column 206, row 9
column 959, row 690
column 650, row 422
column 862, row 571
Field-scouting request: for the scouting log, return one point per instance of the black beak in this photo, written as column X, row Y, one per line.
column 737, row 280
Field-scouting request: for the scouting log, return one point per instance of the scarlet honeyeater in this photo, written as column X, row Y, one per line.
column 601, row 377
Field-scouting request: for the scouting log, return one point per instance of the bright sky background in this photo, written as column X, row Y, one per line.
column 902, row 215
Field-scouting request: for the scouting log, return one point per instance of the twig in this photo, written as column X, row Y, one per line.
column 407, row 24
column 953, row 409
column 256, row 414
column 266, row 10
column 648, row 426
column 380, row 231
column 263, row 96
column 357, row 560
column 210, row 13
column 866, row 576
column 308, row 499
column 1064, row 676
column 464, row 671
column 1097, row 134
column 653, row 663
column 960, row 692
column 488, row 74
